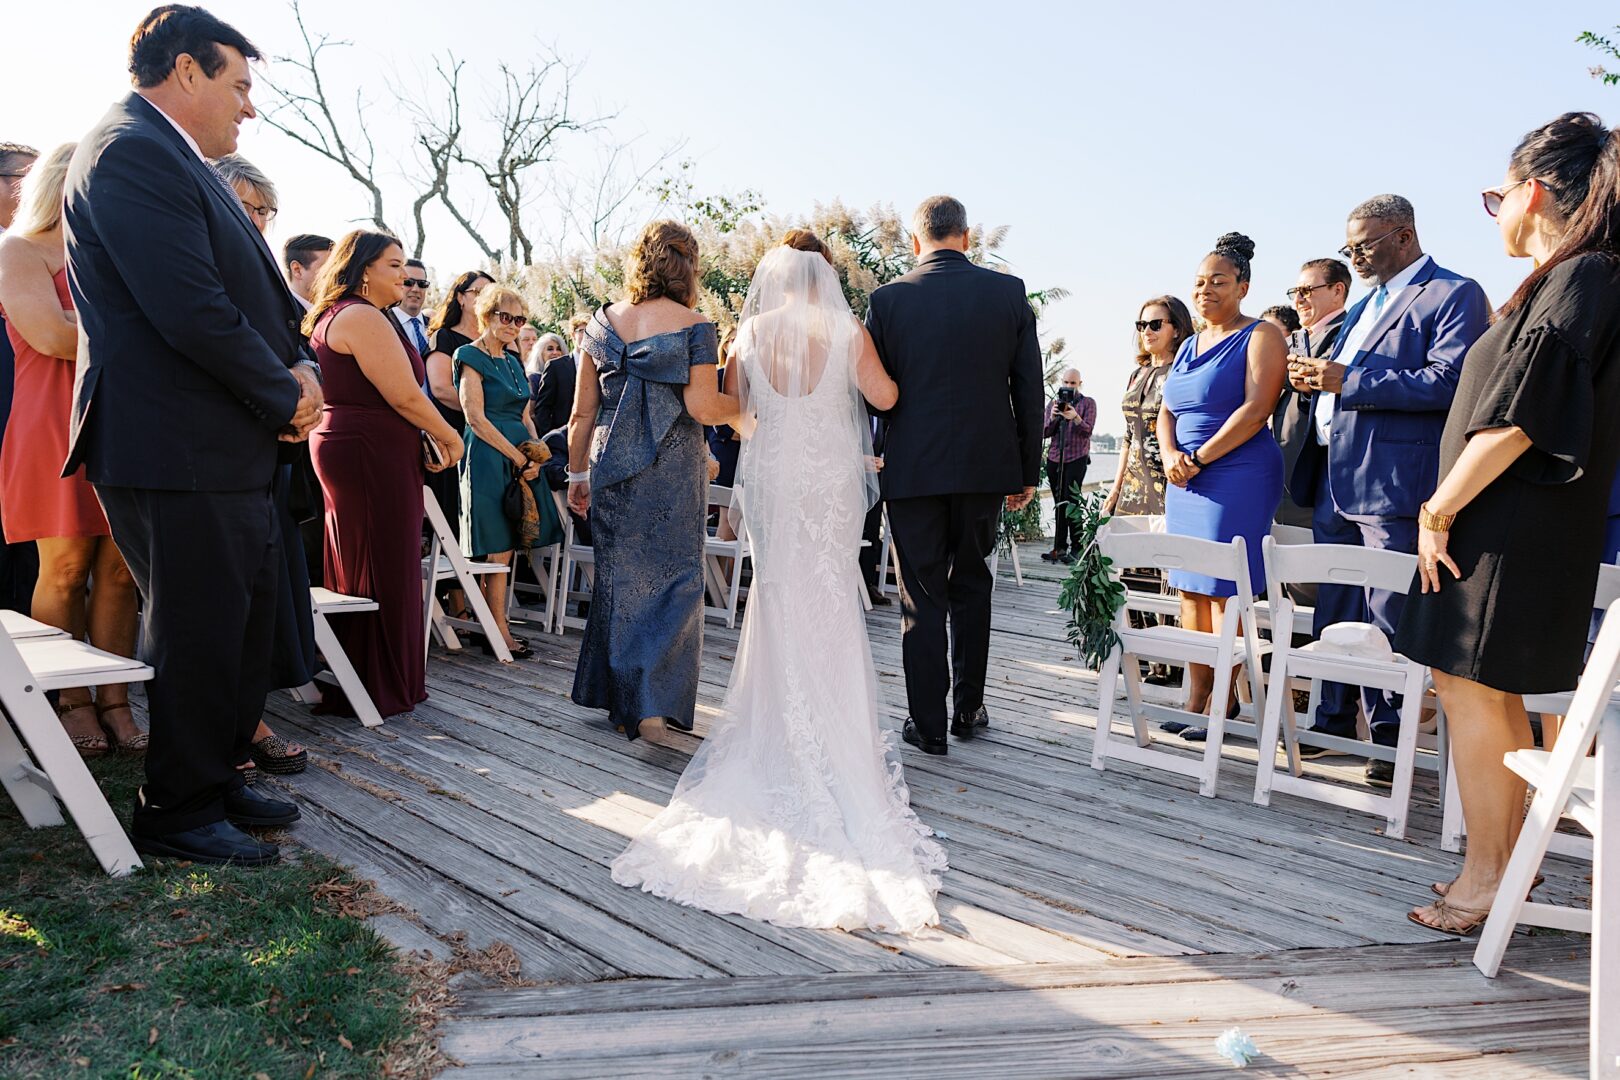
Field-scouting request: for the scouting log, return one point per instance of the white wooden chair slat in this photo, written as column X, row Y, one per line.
column 19, row 626
column 1341, row 564
column 1557, row 776
column 1235, row 643
column 28, row 668
column 446, row 560
column 723, row 589
column 578, row 563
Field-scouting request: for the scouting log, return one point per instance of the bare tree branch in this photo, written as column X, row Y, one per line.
column 303, row 113
column 438, row 135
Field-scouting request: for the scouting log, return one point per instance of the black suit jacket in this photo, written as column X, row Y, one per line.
column 1295, row 427
column 555, row 401
column 960, row 340
column 187, row 330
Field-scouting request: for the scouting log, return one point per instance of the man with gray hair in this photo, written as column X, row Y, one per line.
column 964, row 436
column 1378, row 405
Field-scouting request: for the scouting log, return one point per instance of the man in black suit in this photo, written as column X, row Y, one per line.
column 872, row 528
column 1319, row 296
column 555, row 401
column 189, row 370
column 965, row 435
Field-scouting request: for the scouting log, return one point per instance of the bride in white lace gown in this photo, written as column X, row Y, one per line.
column 794, row 810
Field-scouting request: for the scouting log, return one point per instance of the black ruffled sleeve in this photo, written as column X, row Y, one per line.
column 1545, row 381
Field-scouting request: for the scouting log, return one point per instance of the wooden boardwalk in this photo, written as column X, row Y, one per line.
column 1094, row 924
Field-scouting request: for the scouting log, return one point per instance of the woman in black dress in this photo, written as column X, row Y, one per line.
column 1509, row 543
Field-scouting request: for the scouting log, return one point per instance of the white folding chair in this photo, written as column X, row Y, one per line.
column 722, row 584
column 1234, row 644
column 546, row 562
column 325, row 603
column 578, row 562
column 995, row 563
column 1338, row 564
column 1303, row 614
column 445, row 562
column 1163, row 604
column 889, row 561
column 1452, row 826
column 1570, row 784
column 29, row 666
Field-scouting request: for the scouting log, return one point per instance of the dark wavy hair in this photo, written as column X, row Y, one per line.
column 340, row 276
column 1283, row 314
column 1578, row 160
column 1180, row 319
column 1236, row 249
column 450, row 314
column 172, row 29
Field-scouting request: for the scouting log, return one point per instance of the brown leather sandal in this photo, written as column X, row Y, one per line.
column 134, row 745
column 1450, row 919
column 88, row 746
column 1440, row 888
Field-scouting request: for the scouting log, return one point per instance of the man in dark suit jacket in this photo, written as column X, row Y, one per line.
column 554, row 402
column 19, row 563
column 1319, row 297
column 965, row 434
column 1377, row 409
column 187, row 348
column 872, row 528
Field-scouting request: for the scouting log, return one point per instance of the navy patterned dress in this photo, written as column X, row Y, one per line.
column 649, row 493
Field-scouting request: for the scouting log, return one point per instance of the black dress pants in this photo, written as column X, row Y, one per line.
column 872, row 552
column 1062, row 477
column 942, row 542
column 208, row 565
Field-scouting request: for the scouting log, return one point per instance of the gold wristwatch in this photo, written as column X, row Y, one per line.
column 1428, row 519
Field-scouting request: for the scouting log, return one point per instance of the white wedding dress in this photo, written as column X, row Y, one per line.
column 794, row 810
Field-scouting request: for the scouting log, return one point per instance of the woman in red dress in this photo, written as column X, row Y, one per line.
column 60, row 515
column 368, row 453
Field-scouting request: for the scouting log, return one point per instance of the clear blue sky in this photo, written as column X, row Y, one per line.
column 1117, row 140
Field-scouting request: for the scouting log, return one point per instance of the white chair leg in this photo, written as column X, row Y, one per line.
column 1400, row 792
column 1270, row 724
column 365, row 710
column 1018, row 570
column 20, row 777
column 1528, row 852
column 1452, row 826
column 1108, row 678
column 735, row 591
column 1133, row 698
column 1605, row 895
column 486, row 620
column 66, row 772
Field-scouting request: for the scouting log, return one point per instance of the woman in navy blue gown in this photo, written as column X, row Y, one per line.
column 1224, row 467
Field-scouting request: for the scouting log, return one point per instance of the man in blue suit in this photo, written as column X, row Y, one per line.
column 1378, row 406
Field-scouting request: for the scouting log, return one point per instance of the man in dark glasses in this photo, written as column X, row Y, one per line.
column 1319, row 296
column 409, row 310
column 1378, row 405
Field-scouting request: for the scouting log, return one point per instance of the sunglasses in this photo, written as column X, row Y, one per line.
column 1154, row 325
column 1302, row 292
column 506, row 318
column 1492, row 197
column 416, row 283
column 1351, row 251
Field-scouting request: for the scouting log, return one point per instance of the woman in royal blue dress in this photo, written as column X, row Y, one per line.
column 1224, row 467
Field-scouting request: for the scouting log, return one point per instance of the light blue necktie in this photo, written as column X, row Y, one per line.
column 1379, row 299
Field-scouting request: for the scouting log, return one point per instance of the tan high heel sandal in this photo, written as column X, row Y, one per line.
column 88, row 746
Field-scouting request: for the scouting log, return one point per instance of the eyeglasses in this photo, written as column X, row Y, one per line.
column 264, row 213
column 1492, row 197
column 1351, row 251
column 416, row 283
column 507, row 318
column 1154, row 325
column 1303, row 292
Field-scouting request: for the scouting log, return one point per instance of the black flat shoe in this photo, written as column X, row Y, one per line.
column 1381, row 774
column 1174, row 727
column 247, row 807
column 216, row 843
column 972, row 724
column 877, row 598
column 520, row 651
column 937, row 747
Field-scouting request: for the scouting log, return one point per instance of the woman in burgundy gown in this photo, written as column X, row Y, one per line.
column 367, row 451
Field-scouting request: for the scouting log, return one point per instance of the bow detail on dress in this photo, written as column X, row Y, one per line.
column 645, row 411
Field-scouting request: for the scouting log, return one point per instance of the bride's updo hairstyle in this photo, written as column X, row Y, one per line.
column 805, row 240
column 663, row 262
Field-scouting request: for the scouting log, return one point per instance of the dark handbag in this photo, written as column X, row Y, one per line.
column 512, row 501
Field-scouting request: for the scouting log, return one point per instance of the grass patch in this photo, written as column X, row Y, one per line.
column 190, row 971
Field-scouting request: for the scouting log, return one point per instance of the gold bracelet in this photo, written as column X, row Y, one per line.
column 1428, row 519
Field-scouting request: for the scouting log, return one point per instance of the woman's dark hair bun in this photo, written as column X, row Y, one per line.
column 1236, row 243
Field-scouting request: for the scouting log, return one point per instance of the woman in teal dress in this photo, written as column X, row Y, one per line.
column 495, row 399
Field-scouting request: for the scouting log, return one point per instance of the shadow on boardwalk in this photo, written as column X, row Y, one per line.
column 1094, row 924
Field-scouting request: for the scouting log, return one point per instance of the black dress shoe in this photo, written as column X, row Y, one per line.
column 965, row 727
column 877, row 597
column 938, row 747
column 1381, row 774
column 217, row 842
column 246, row 807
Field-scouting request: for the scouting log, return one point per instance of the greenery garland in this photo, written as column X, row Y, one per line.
column 1091, row 594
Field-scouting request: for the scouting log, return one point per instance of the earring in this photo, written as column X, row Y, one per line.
column 365, row 288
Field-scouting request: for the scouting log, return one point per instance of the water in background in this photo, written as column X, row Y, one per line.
column 1098, row 477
